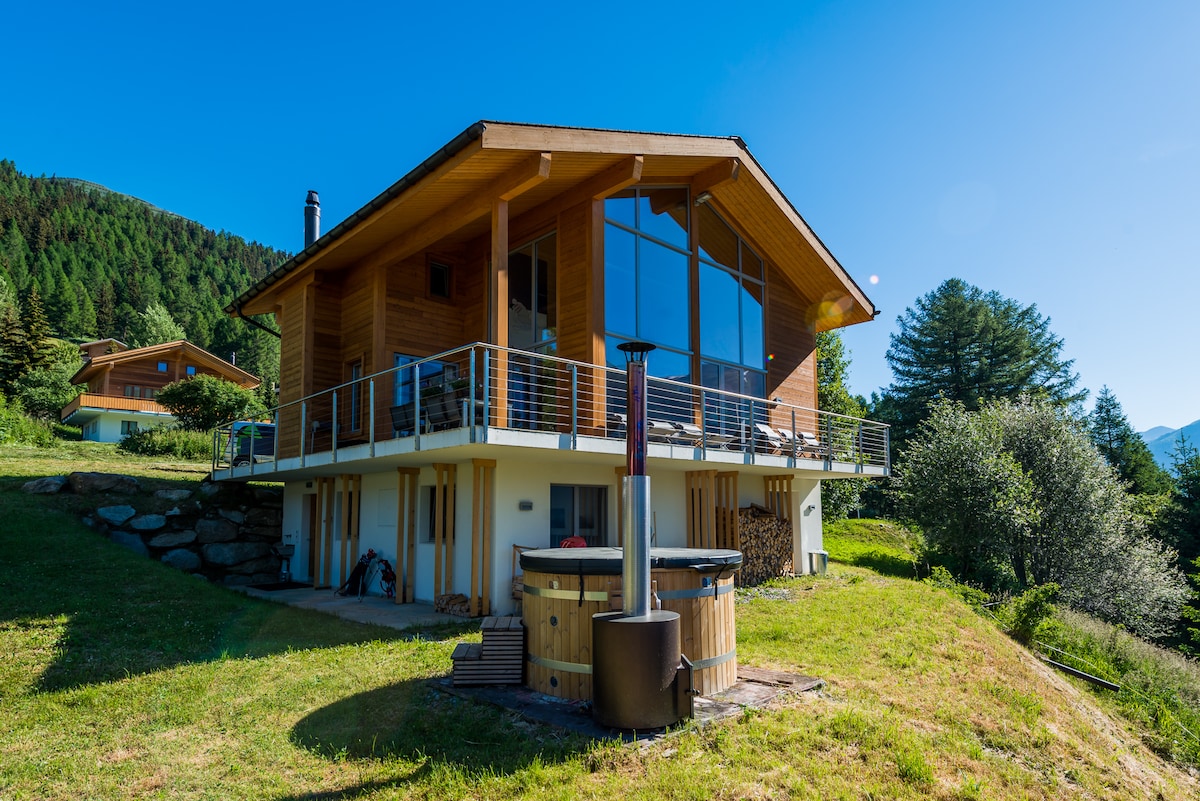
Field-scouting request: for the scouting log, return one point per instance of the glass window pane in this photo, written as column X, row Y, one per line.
column 754, row 383
column 547, row 288
column 751, row 264
column 662, row 295
column 718, row 242
column 622, row 208
column 718, row 314
column 620, row 256
column 752, row 326
column 669, row 364
column 520, row 298
column 663, row 214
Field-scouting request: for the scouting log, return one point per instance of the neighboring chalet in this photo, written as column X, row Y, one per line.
column 450, row 383
column 121, row 383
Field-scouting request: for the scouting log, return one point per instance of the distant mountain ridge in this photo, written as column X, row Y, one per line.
column 1162, row 441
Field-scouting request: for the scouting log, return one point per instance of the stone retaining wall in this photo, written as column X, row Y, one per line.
column 221, row 532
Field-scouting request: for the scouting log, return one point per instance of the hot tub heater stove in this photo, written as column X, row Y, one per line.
column 640, row 679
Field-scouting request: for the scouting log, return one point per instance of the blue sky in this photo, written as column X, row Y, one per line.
column 1050, row 151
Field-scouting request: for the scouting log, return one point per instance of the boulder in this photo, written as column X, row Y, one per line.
column 116, row 515
column 209, row 488
column 233, row 553
column 175, row 495
column 173, row 539
column 264, row 565
column 182, row 558
column 148, row 522
column 264, row 517
column 232, row 515
column 269, row 496
column 129, row 540
column 45, row 486
column 216, row 530
column 265, row 533
column 84, row 483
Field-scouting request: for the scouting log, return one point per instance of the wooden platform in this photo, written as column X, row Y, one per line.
column 497, row 660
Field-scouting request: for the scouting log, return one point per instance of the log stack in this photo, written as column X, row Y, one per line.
column 766, row 545
column 499, row 659
column 452, row 604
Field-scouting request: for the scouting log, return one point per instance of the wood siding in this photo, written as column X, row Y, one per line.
column 792, row 374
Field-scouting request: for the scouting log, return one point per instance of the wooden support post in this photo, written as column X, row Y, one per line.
column 406, row 533
column 499, row 315
column 443, row 530
column 778, row 491
column 729, row 523
column 330, row 496
column 481, row 524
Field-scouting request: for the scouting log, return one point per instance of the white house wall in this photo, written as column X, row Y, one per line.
column 515, row 481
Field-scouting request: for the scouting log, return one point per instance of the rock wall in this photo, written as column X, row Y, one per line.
column 221, row 532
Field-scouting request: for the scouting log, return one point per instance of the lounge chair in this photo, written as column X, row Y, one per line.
column 688, row 434
column 659, row 431
column 766, row 439
column 616, row 424
column 807, row 442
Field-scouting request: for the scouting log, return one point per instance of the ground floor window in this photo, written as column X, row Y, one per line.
column 128, row 427
column 578, row 511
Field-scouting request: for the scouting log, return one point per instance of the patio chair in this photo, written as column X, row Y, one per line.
column 807, row 442
column 790, row 446
column 403, row 420
column 616, row 424
column 766, row 439
column 444, row 412
column 659, row 431
column 688, row 434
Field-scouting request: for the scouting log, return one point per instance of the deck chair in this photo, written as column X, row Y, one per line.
column 807, row 442
column 616, row 424
column 403, row 421
column 790, row 445
column 766, row 439
column 658, row 431
column 687, row 434
column 444, row 412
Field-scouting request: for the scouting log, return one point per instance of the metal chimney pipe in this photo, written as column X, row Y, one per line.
column 635, row 568
column 312, row 218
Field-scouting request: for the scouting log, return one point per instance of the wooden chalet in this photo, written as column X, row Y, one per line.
column 450, row 384
column 121, row 384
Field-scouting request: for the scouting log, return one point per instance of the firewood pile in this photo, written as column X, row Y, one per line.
column 456, row 604
column 766, row 545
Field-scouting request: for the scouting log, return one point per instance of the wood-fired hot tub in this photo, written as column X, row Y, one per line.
column 564, row 587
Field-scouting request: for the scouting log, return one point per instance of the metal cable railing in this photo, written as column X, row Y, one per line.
column 479, row 387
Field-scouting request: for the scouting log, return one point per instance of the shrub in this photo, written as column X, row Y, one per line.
column 168, row 441
column 17, row 428
column 972, row 596
column 204, row 402
column 1030, row 609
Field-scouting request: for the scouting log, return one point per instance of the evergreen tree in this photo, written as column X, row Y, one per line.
column 1123, row 448
column 38, row 346
column 14, row 349
column 961, row 344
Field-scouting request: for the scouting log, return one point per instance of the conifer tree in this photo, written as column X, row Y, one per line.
column 1124, row 449
column 38, row 347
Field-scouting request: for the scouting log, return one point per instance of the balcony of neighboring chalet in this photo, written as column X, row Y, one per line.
column 96, row 402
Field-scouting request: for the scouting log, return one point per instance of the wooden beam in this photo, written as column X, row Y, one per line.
column 406, row 531
column 621, row 175
column 712, row 177
column 518, row 180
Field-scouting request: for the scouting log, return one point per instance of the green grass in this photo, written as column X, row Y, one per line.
column 882, row 546
column 124, row 679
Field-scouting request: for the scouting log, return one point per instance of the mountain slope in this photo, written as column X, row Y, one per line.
column 98, row 258
column 1162, row 441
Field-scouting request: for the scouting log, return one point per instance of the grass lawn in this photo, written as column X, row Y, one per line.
column 125, row 679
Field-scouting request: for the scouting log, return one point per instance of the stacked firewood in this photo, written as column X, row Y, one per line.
column 456, row 604
column 766, row 545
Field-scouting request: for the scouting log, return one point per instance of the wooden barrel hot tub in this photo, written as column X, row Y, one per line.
column 564, row 587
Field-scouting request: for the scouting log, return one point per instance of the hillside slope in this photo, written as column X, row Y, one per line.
column 1162, row 441
column 133, row 680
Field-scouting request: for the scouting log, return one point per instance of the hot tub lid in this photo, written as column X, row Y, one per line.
column 608, row 561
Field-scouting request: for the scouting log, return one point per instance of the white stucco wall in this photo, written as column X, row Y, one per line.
column 516, row 481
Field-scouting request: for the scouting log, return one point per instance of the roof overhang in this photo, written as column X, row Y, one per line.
column 447, row 200
column 168, row 350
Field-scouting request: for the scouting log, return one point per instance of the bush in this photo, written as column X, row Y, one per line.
column 972, row 596
column 168, row 441
column 203, row 402
column 17, row 428
column 1030, row 609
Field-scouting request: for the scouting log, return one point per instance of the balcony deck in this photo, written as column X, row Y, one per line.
column 528, row 406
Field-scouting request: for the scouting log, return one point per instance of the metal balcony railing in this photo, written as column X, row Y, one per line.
column 483, row 387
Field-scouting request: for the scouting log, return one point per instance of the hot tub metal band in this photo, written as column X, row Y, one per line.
column 602, row 595
column 577, row 667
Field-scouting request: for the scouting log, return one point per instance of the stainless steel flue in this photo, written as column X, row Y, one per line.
column 312, row 218
column 635, row 573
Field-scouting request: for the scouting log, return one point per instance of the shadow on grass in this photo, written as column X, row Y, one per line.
column 413, row 721
column 80, row 609
column 881, row 562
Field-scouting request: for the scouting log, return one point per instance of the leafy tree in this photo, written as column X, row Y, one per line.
column 1021, row 482
column 204, row 402
column 964, row 345
column 970, row 498
column 44, row 391
column 1124, row 448
column 840, row 497
column 155, row 326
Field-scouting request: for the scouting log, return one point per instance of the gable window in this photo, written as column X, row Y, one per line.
column 162, row 367
column 191, row 370
column 440, row 276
